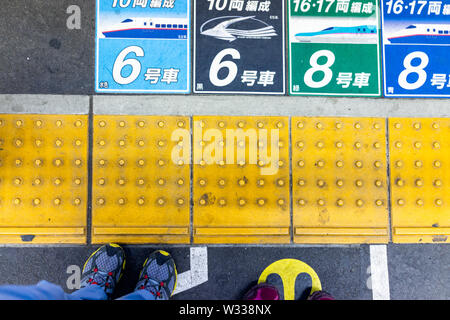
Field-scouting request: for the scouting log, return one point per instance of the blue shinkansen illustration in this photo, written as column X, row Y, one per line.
column 422, row 34
column 352, row 34
column 149, row 28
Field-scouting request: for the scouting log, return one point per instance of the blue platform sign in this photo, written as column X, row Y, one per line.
column 239, row 46
column 416, row 48
column 143, row 46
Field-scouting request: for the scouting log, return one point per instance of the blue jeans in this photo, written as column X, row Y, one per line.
column 45, row 290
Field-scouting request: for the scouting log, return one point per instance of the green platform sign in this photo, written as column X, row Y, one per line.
column 334, row 47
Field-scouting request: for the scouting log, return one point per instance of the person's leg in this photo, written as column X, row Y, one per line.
column 101, row 272
column 157, row 280
column 42, row 291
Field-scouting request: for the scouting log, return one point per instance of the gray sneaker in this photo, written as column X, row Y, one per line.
column 104, row 268
column 158, row 275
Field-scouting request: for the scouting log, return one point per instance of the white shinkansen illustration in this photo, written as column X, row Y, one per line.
column 149, row 28
column 243, row 28
column 353, row 34
column 422, row 34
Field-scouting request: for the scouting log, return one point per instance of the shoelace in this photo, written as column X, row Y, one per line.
column 153, row 286
column 100, row 278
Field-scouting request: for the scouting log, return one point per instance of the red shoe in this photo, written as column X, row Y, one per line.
column 321, row 295
column 262, row 291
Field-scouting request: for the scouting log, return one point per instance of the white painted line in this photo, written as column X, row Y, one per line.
column 198, row 273
column 379, row 272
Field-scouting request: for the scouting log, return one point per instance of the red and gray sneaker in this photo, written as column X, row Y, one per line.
column 158, row 275
column 320, row 295
column 104, row 268
column 262, row 291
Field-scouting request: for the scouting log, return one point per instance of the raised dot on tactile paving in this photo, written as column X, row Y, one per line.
column 301, row 202
column 339, row 182
column 437, row 183
column 359, row 183
column 359, row 203
column 418, row 182
column 77, row 201
column 379, row 202
column 320, row 183
column 320, row 163
column 58, row 143
column 339, row 202
column 222, row 202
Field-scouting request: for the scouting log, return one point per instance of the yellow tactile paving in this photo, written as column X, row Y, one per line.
column 240, row 183
column 339, row 180
column 141, row 185
column 43, row 178
column 420, row 179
